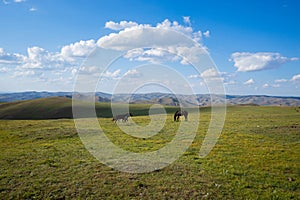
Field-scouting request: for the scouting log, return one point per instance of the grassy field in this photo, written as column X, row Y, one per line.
column 256, row 157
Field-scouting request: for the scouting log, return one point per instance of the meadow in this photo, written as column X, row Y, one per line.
column 256, row 157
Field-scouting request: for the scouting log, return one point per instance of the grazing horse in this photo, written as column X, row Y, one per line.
column 123, row 117
column 179, row 113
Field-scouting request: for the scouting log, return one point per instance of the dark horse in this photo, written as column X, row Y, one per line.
column 180, row 113
column 123, row 117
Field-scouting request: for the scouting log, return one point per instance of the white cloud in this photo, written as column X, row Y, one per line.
column 249, row 82
column 230, row 82
column 187, row 30
column 211, row 75
column 169, row 41
column 39, row 58
column 32, row 9
column 24, row 73
column 19, row 1
column 89, row 70
column 7, row 58
column 281, row 80
column 295, row 78
column 4, row 70
column 207, row 34
column 195, row 76
column 153, row 55
column 187, row 20
column 74, row 72
column 160, row 37
column 246, row 62
column 78, row 49
column 132, row 73
column 119, row 26
column 96, row 72
column 115, row 74
column 266, row 85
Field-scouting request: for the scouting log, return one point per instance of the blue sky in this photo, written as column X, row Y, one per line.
column 254, row 44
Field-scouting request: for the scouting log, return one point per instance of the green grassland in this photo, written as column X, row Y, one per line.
column 257, row 157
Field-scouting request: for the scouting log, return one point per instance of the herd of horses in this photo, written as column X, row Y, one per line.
column 124, row 117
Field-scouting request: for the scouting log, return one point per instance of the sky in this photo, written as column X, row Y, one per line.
column 255, row 45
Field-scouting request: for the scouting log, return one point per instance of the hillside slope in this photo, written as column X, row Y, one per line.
column 61, row 107
column 43, row 108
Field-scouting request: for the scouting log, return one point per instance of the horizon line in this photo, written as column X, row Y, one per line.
column 269, row 95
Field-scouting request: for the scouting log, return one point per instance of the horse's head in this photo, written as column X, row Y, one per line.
column 130, row 114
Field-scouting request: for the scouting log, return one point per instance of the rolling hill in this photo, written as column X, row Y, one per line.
column 61, row 107
column 43, row 108
column 163, row 98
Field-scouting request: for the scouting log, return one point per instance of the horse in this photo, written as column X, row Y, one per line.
column 179, row 113
column 123, row 117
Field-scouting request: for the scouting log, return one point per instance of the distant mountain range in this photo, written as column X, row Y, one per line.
column 163, row 98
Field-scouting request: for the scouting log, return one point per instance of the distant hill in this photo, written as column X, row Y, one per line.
column 163, row 98
column 18, row 96
column 43, row 108
column 46, row 108
column 61, row 107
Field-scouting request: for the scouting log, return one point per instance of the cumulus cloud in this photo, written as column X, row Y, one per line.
column 169, row 41
column 160, row 37
column 249, row 82
column 121, row 25
column 39, row 58
column 245, row 61
column 78, row 49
